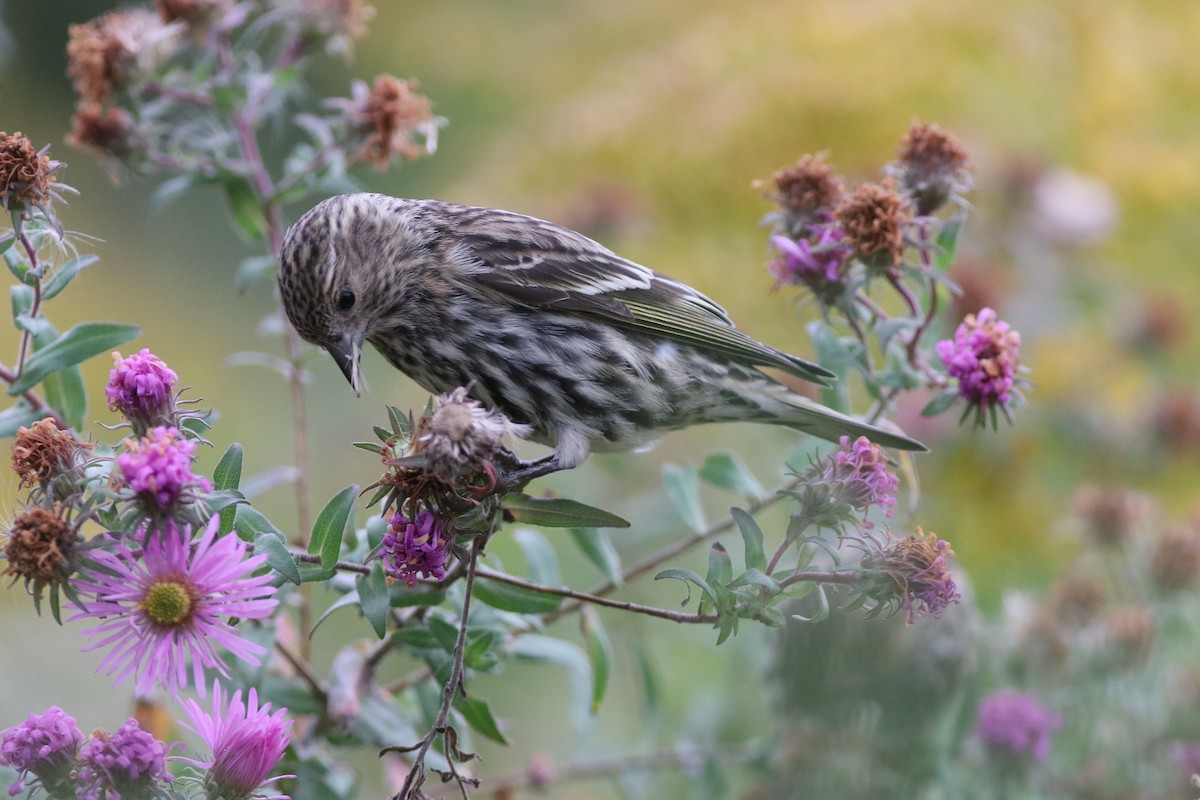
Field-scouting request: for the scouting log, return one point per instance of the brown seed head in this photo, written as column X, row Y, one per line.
column 108, row 131
column 190, row 12
column 873, row 221
column 1175, row 563
column 932, row 166
column 39, row 546
column 461, row 434
column 1131, row 633
column 808, row 186
column 390, row 114
column 1109, row 513
column 1078, row 599
column 98, row 53
column 43, row 451
column 25, row 173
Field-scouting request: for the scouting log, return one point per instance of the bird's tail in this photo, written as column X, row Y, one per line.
column 825, row 423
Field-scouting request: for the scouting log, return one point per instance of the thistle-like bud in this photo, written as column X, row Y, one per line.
column 128, row 763
column 142, row 389
column 806, row 192
column 43, row 453
column 932, row 167
column 461, row 435
column 44, row 746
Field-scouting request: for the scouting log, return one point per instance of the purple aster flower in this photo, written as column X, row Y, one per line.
column 1014, row 725
column 141, row 387
column 415, row 547
column 815, row 262
column 860, row 475
column 246, row 741
column 913, row 574
column 1186, row 756
column 45, row 746
column 984, row 355
column 158, row 467
column 129, row 764
column 169, row 604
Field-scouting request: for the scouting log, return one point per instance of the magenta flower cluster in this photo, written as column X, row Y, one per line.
column 141, row 387
column 45, row 746
column 415, row 547
column 130, row 762
column 158, row 467
column 931, row 589
column 1014, row 724
column 984, row 356
column 814, row 262
column 860, row 476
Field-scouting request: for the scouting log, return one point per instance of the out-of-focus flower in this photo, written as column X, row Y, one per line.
column 26, row 173
column 194, row 13
column 1073, row 210
column 932, row 167
column 338, row 23
column 44, row 451
column 129, row 764
column 1130, row 633
column 103, row 52
column 1110, row 514
column 39, row 547
column 415, row 548
column 806, row 191
column 393, row 120
column 158, row 468
column 246, row 742
column 1175, row 562
column 1016, row 726
column 108, row 131
column 874, row 220
column 142, row 388
column 1186, row 756
column 1078, row 599
column 461, row 435
column 1175, row 420
column 985, row 357
column 44, row 746
column 913, row 575
column 171, row 604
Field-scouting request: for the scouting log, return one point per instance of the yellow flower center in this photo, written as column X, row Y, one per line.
column 167, row 603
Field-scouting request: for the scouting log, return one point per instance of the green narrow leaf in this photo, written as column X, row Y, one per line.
column 720, row 566
column 228, row 477
column 348, row 599
column 330, row 526
column 543, row 564
column 682, row 485
column 727, row 471
column 475, row 654
column 597, row 546
column 251, row 270
column 63, row 276
column 832, row 354
column 752, row 537
column 374, row 597
column 249, row 522
column 600, row 654
column 822, row 608
column 687, row 576
column 244, row 207
column 20, row 298
column 517, row 599
column 11, row 419
column 64, row 389
column 278, row 557
column 559, row 512
column 649, row 683
column 479, row 716
column 78, row 344
column 940, row 402
column 569, row 656
column 947, row 241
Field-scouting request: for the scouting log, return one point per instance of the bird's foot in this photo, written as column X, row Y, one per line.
column 525, row 471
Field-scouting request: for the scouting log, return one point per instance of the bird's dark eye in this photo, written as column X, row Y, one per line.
column 345, row 300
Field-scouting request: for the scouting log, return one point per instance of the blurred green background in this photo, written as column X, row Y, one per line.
column 645, row 123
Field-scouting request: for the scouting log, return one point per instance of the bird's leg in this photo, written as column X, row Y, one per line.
column 526, row 471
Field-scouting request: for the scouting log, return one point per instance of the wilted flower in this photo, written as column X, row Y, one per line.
column 1175, row 563
column 852, row 479
column 129, row 764
column 26, row 173
column 39, row 546
column 246, row 741
column 932, row 167
column 984, row 356
column 191, row 12
column 816, row 261
column 913, row 575
column 1109, row 513
column 461, row 435
column 338, row 22
column 1016, row 726
column 806, row 191
column 172, row 604
column 1078, row 599
column 102, row 52
column 45, row 746
column 1130, row 632
column 873, row 220
column 142, row 388
column 391, row 117
column 109, row 131
column 415, row 548
column 44, row 451
column 158, row 468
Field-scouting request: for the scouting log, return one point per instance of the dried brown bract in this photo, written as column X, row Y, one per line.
column 26, row 173
column 873, row 220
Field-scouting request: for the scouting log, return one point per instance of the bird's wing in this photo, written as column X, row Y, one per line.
column 541, row 265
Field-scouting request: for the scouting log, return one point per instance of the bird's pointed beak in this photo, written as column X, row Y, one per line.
column 347, row 351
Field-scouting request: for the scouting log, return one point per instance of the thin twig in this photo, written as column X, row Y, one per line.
column 304, row 669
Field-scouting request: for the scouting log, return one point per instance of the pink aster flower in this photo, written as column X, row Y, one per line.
column 1015, row 725
column 45, row 746
column 246, row 741
column 141, row 387
column 169, row 604
column 985, row 357
column 415, row 547
column 860, row 473
column 816, row 261
column 158, row 467
column 129, row 764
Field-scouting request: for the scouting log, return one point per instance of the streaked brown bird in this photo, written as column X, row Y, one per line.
column 592, row 351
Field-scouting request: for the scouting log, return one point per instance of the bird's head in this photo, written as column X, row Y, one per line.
column 338, row 273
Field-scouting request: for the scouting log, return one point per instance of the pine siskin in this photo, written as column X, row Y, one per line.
column 593, row 352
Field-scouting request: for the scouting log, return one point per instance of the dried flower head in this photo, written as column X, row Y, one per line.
column 1110, row 514
column 106, row 130
column 129, row 764
column 45, row 746
column 391, row 116
column 1078, row 599
column 874, row 220
column 415, row 547
column 807, row 188
column 985, row 357
column 193, row 13
column 1175, row 420
column 101, row 51
column 914, row 575
column 44, row 451
column 39, row 547
column 26, row 173
column 1175, row 563
column 1130, row 633
column 461, row 435
column 337, row 22
column 932, row 167
column 1014, row 725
